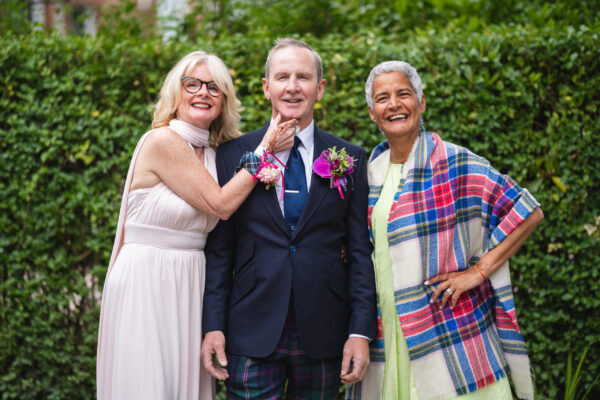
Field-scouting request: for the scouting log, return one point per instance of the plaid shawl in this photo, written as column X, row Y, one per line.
column 451, row 208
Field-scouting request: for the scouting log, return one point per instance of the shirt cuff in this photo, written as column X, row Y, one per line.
column 360, row 336
column 259, row 151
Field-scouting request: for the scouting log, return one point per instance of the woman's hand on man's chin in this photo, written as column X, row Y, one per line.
column 280, row 135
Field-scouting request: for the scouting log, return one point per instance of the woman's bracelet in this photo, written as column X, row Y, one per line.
column 480, row 272
column 250, row 161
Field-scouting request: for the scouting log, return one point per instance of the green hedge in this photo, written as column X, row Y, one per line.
column 73, row 108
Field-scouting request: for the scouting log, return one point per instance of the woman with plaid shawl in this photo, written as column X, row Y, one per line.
column 444, row 224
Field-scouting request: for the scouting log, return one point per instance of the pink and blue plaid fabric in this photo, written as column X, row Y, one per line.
column 454, row 207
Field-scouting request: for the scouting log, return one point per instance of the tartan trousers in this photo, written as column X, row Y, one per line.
column 265, row 378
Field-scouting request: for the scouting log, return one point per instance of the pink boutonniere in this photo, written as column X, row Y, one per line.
column 335, row 165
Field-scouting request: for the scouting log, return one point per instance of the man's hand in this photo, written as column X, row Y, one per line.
column 214, row 345
column 355, row 359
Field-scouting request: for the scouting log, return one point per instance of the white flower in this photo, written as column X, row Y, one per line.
column 269, row 175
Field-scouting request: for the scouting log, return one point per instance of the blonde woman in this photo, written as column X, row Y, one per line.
column 150, row 324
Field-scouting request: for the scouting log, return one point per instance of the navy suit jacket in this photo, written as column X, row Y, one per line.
column 255, row 264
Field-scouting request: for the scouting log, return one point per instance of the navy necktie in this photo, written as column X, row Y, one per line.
column 295, row 190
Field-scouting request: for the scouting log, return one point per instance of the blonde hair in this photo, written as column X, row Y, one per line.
column 225, row 126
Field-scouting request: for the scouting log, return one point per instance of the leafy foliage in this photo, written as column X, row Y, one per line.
column 14, row 16
column 275, row 18
column 72, row 109
column 572, row 387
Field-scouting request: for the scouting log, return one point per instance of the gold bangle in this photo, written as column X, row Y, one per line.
column 480, row 272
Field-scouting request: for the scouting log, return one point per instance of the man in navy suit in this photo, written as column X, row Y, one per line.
column 289, row 279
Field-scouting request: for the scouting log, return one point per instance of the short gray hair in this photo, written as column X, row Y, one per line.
column 394, row 66
column 290, row 42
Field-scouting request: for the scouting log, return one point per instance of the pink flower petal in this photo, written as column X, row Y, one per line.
column 322, row 167
column 351, row 167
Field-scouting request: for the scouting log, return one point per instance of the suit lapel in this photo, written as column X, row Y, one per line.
column 268, row 198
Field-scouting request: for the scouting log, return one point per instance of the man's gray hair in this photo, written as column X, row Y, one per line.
column 289, row 42
column 394, row 66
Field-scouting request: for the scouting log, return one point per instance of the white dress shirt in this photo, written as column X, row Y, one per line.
column 305, row 148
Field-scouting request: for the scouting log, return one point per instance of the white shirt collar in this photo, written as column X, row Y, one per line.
column 307, row 135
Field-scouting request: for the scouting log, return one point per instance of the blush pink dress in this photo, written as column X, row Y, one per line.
column 151, row 317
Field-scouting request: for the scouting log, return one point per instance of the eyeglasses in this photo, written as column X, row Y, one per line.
column 193, row 85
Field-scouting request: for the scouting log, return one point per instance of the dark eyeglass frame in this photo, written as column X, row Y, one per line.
column 202, row 83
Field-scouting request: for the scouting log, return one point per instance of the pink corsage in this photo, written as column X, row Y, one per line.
column 269, row 173
column 335, row 165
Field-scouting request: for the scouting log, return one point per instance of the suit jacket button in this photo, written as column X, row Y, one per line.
column 292, row 249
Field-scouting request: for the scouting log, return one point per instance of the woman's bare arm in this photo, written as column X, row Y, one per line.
column 168, row 158
column 460, row 282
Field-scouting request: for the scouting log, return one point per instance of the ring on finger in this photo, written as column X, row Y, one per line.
column 449, row 291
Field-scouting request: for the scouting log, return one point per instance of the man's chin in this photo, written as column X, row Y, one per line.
column 289, row 116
